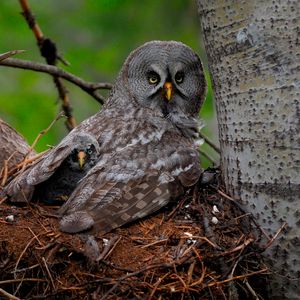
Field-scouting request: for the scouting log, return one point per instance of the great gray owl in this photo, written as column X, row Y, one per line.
column 147, row 132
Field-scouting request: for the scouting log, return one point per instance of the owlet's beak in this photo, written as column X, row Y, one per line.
column 81, row 158
column 168, row 90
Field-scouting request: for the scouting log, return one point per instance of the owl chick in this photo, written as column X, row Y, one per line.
column 53, row 178
column 58, row 187
column 147, row 132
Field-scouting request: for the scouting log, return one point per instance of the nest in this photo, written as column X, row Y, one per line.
column 202, row 247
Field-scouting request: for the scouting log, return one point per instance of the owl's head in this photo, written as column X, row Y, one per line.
column 165, row 76
column 84, row 152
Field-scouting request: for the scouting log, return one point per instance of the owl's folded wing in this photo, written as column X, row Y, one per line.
column 112, row 204
column 21, row 188
column 105, row 205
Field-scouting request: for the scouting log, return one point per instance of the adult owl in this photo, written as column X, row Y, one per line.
column 147, row 132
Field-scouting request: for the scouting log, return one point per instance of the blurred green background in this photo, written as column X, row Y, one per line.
column 95, row 37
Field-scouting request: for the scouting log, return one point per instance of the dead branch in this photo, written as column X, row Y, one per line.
column 8, row 295
column 210, row 143
column 43, row 132
column 49, row 51
column 9, row 54
column 89, row 87
column 208, row 157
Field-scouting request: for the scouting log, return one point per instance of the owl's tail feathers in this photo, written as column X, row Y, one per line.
column 76, row 222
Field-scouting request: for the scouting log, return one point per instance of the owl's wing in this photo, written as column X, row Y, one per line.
column 112, row 204
column 21, row 188
column 105, row 203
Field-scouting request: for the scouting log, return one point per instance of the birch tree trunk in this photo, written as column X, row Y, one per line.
column 253, row 50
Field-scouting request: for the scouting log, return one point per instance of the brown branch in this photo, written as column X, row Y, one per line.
column 48, row 50
column 43, row 132
column 8, row 295
column 208, row 157
column 210, row 143
column 89, row 87
column 9, row 54
column 275, row 236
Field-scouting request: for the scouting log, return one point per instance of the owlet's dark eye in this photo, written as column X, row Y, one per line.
column 179, row 76
column 153, row 78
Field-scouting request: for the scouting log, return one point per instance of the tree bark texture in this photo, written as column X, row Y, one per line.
column 253, row 50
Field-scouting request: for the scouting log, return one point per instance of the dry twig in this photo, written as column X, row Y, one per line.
column 9, row 54
column 49, row 52
column 210, row 143
column 89, row 87
column 8, row 295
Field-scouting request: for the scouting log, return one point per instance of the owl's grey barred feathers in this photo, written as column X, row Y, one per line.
column 53, row 178
column 13, row 147
column 147, row 133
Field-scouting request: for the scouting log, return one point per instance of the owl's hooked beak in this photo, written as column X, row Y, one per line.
column 81, row 158
column 168, row 90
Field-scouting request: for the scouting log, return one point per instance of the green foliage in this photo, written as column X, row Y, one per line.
column 95, row 37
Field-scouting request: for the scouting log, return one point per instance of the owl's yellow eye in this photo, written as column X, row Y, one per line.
column 153, row 78
column 179, row 77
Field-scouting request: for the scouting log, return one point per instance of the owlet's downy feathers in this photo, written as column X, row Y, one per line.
column 145, row 139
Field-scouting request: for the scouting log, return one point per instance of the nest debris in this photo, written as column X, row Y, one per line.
column 202, row 247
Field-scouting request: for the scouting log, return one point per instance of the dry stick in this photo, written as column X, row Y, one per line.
column 48, row 272
column 108, row 247
column 19, row 285
column 49, row 51
column 240, row 247
column 251, row 289
column 22, row 253
column 226, row 196
column 21, row 279
column 160, row 279
column 210, row 143
column 5, row 172
column 38, row 240
column 236, row 277
column 207, row 156
column 8, row 295
column 89, row 87
column 9, row 54
column 43, row 132
column 26, row 162
column 115, row 242
column 275, row 236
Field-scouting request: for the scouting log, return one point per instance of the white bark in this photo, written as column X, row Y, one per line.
column 253, row 51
